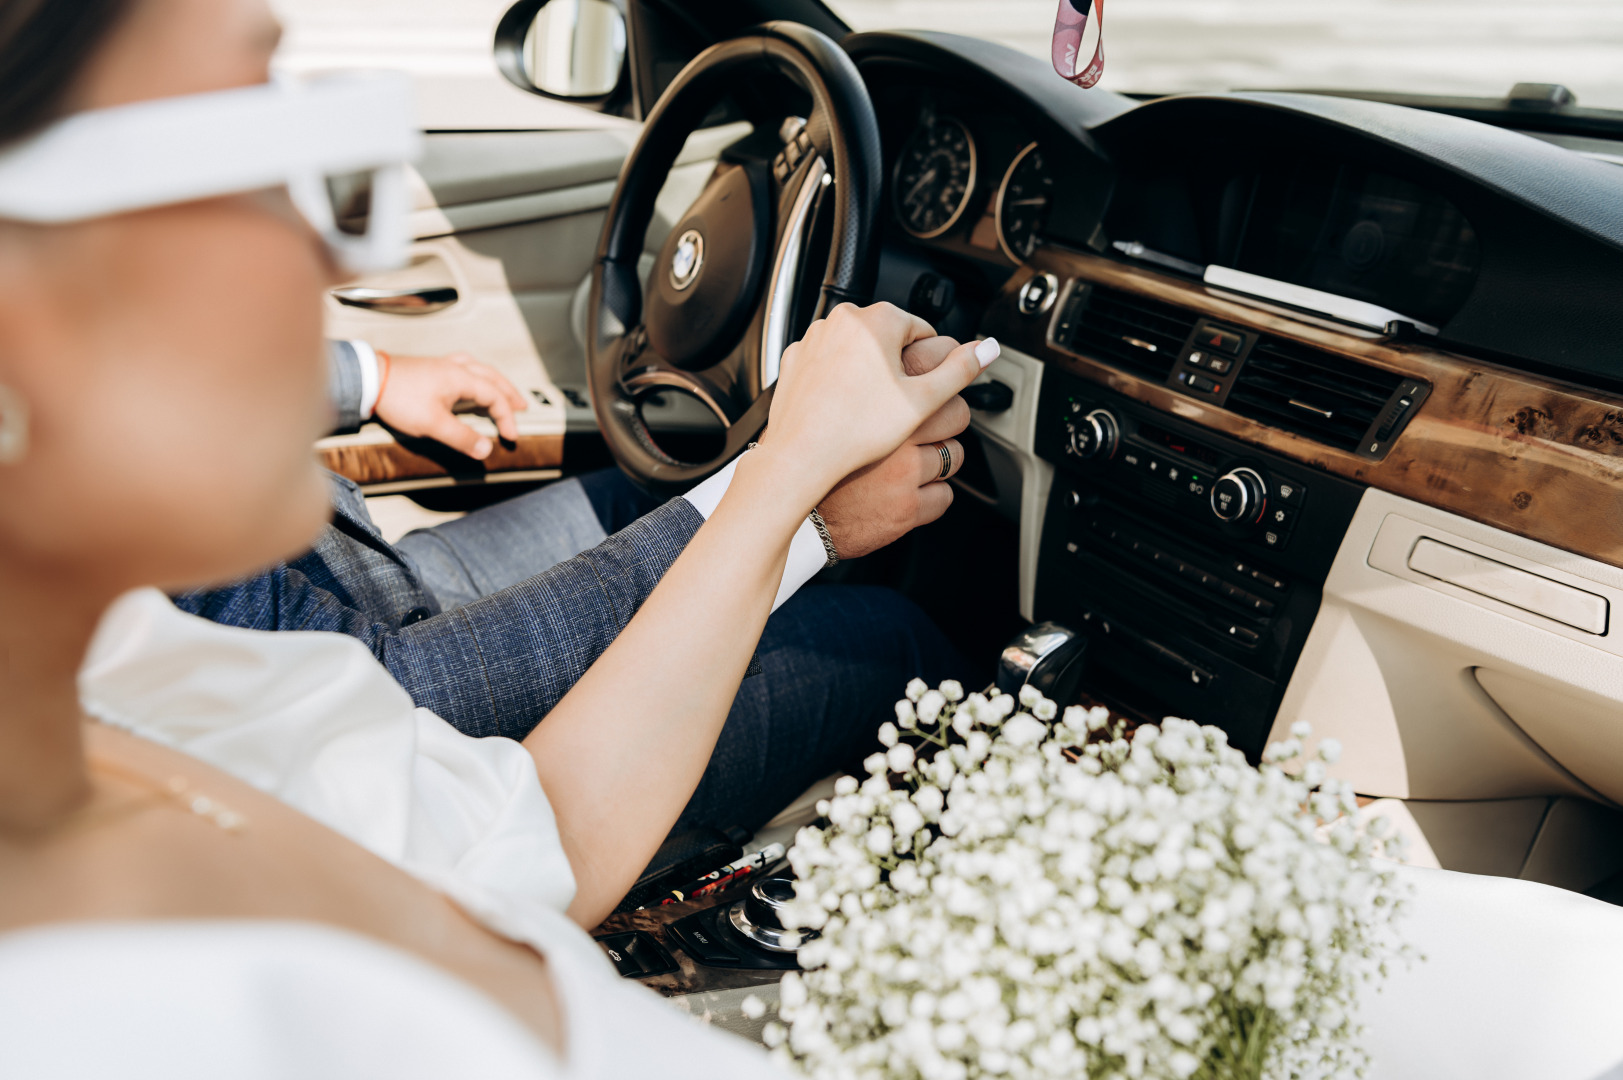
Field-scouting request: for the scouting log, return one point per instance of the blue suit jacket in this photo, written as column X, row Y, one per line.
column 493, row 667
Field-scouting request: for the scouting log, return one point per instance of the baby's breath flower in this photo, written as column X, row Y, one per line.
column 900, row 757
column 906, row 718
column 930, row 706
column 916, row 689
column 887, row 734
column 1046, row 900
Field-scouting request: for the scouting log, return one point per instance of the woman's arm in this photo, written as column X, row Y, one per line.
column 623, row 752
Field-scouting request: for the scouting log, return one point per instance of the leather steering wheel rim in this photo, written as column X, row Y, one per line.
column 842, row 130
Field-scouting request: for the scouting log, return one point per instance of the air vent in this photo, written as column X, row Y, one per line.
column 1328, row 398
column 1132, row 332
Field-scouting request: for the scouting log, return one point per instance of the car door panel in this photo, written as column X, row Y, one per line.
column 511, row 221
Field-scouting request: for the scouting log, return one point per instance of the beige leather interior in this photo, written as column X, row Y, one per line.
column 511, row 220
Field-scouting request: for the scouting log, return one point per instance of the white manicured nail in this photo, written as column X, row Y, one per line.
column 987, row 351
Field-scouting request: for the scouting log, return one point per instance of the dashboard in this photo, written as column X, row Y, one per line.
column 1286, row 369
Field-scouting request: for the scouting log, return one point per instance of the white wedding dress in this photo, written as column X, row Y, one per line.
column 1519, row 980
column 316, row 721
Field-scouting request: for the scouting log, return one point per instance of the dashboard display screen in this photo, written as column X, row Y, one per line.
column 1346, row 230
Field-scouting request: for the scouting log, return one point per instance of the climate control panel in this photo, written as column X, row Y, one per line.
column 1243, row 497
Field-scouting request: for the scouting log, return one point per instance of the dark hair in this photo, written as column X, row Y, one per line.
column 44, row 47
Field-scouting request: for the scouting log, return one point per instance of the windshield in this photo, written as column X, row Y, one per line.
column 1477, row 48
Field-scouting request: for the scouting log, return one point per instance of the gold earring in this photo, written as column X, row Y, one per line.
column 13, row 426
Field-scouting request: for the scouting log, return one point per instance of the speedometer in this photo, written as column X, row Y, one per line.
column 1023, row 203
column 935, row 177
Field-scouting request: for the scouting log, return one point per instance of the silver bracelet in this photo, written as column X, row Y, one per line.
column 828, row 541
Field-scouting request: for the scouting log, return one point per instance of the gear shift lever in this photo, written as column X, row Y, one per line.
column 1048, row 656
column 757, row 916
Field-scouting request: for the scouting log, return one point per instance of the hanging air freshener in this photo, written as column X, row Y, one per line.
column 1079, row 43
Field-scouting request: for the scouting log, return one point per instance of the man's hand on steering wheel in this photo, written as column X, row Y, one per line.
column 423, row 392
column 878, row 505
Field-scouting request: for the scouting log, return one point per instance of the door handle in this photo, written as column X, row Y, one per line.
column 424, row 301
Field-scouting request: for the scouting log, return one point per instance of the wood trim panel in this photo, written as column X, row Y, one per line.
column 1536, row 457
column 371, row 460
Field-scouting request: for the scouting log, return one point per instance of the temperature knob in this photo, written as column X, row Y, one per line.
column 1095, row 435
column 1239, row 496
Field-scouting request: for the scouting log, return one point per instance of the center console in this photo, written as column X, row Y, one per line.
column 1193, row 562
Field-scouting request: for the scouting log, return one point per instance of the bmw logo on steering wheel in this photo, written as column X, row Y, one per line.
column 688, row 260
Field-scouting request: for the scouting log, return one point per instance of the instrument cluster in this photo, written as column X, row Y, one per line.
column 942, row 186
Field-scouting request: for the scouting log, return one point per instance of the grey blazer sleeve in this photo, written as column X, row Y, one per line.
column 498, row 665
column 344, row 386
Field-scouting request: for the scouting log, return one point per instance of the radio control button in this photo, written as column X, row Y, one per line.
column 1265, row 579
column 1244, row 635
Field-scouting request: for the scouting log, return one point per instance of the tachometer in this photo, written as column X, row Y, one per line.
column 1023, row 203
column 935, row 177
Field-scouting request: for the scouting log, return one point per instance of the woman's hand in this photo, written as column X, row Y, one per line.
column 879, row 504
column 845, row 399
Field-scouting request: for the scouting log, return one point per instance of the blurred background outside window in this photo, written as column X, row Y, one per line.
column 1466, row 47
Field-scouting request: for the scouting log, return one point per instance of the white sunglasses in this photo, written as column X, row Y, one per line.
column 320, row 140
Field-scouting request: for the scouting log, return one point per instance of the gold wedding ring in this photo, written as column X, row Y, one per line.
column 946, row 460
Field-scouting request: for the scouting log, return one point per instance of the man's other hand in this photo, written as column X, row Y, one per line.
column 422, row 393
column 882, row 503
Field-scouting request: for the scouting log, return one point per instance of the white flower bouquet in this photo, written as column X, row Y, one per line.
column 1026, row 898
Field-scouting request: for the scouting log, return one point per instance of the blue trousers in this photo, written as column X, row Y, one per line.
column 832, row 660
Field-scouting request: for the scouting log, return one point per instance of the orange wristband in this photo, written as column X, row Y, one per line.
column 383, row 376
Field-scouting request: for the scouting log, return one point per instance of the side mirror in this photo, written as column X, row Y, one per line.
column 572, row 50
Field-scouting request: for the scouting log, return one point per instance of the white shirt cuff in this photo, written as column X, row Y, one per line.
column 806, row 554
column 368, row 358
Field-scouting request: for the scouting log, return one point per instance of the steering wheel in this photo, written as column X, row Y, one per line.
column 727, row 294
